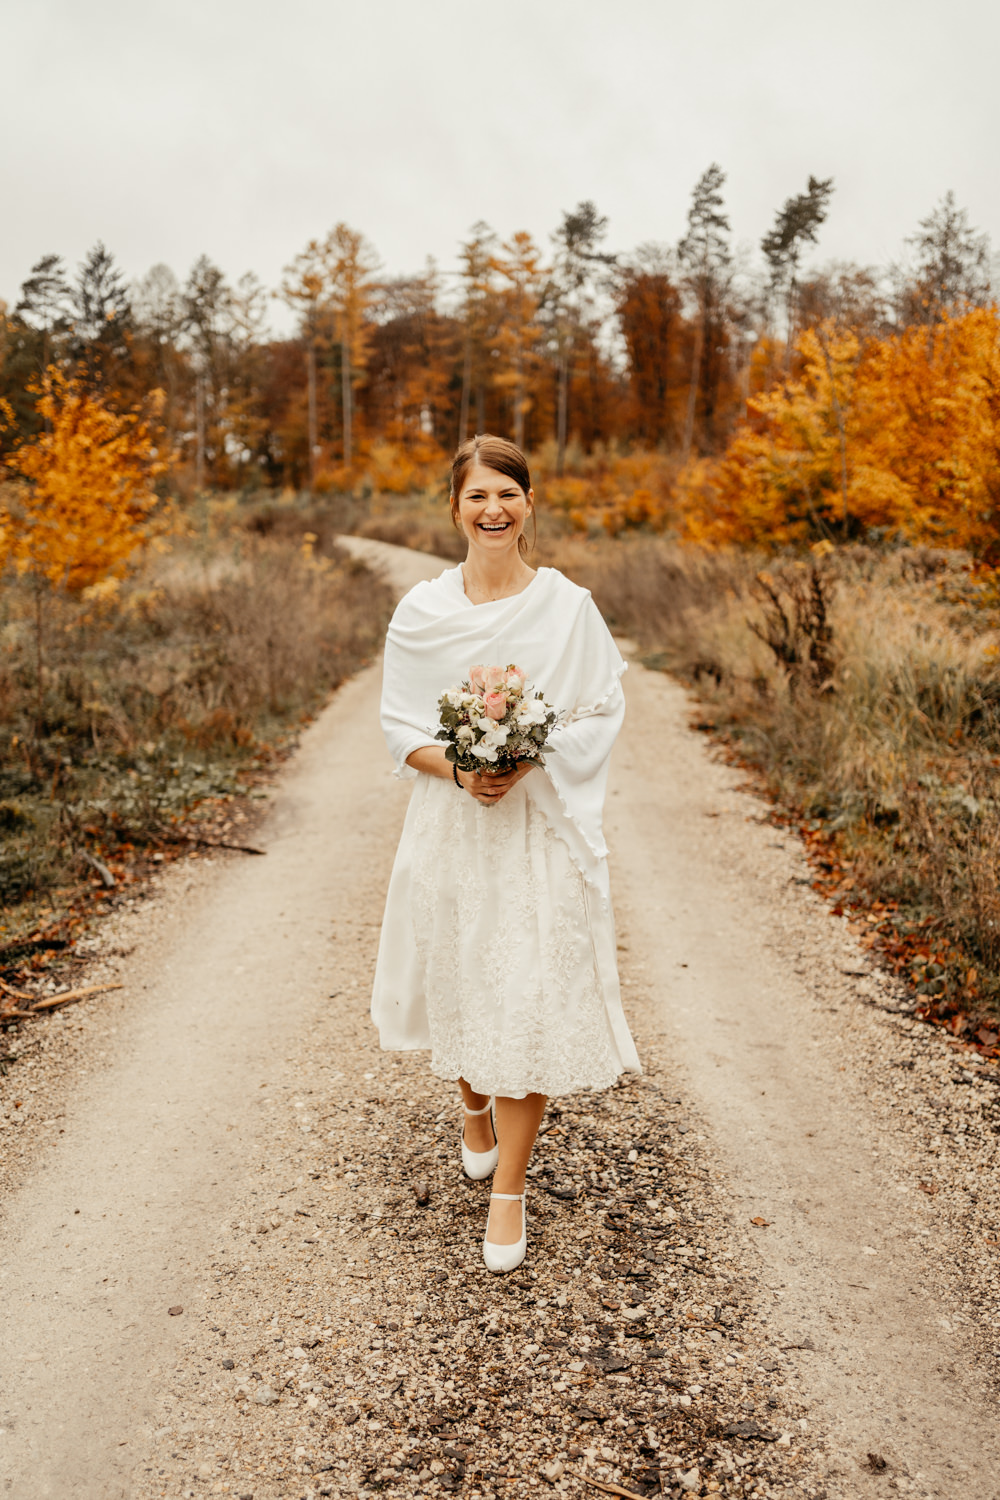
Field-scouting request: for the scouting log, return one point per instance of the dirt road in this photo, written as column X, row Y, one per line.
column 204, row 1110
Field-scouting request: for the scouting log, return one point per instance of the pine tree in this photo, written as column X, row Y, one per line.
column 796, row 225
column 704, row 253
column 45, row 301
column 101, row 318
column 565, row 301
column 953, row 264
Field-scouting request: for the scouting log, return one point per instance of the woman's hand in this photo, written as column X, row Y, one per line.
column 488, row 789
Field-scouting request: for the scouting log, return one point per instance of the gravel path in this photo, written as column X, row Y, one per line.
column 237, row 1255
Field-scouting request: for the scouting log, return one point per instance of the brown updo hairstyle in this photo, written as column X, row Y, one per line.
column 493, row 453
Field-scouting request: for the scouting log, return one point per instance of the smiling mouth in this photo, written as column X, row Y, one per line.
column 494, row 527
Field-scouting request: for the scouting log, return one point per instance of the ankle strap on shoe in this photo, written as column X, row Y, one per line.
column 510, row 1197
column 475, row 1112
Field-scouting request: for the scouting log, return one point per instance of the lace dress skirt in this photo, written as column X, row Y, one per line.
column 502, row 937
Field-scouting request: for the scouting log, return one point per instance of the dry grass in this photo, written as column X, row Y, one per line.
column 893, row 751
column 161, row 695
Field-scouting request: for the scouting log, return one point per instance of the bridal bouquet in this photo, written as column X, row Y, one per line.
column 494, row 721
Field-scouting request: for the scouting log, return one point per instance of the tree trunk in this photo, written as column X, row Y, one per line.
column 561, row 410
column 841, row 434
column 699, row 339
column 199, row 428
column 345, row 378
column 463, row 414
column 313, row 437
column 790, row 323
column 519, row 406
column 39, row 663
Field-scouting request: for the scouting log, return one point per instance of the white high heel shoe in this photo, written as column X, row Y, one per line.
column 507, row 1257
column 479, row 1164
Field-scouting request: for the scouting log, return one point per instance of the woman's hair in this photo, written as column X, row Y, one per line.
column 493, row 453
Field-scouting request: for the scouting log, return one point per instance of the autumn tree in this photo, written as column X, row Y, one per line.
column 352, row 264
column 567, row 301
column 705, row 257
column 207, row 304
column 479, row 314
column 331, row 283
column 82, row 494
column 648, row 304
column 247, row 343
column 848, row 295
column 159, row 316
column 84, row 486
column 898, row 435
column 519, row 267
column 304, row 287
column 414, row 350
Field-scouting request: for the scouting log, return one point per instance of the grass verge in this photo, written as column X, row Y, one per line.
column 864, row 687
column 125, row 713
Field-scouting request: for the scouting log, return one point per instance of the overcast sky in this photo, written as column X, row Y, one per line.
column 243, row 129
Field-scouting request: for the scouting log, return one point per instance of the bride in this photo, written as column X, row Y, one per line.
column 497, row 950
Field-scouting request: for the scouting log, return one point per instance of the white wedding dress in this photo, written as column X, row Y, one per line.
column 498, row 944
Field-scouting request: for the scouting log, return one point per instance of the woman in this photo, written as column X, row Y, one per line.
column 498, row 949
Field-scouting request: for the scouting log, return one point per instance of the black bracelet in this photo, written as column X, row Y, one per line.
column 454, row 772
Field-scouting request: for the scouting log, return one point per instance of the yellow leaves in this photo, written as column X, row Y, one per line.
column 900, row 434
column 83, row 494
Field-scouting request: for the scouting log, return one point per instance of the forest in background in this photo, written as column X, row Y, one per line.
column 782, row 482
column 696, row 388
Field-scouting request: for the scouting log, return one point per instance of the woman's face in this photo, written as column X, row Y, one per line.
column 492, row 509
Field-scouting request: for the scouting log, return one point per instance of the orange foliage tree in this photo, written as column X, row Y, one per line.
column 519, row 266
column 82, row 491
column 898, row 434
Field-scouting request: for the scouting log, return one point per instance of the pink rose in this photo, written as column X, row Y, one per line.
column 514, row 680
column 494, row 678
column 477, row 680
column 496, row 705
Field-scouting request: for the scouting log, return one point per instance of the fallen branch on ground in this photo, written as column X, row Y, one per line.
column 68, row 997
column 16, row 994
column 191, row 838
column 609, row 1489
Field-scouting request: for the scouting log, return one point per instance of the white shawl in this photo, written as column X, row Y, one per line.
column 555, row 632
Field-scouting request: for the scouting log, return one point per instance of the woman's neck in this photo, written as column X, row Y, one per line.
column 495, row 577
